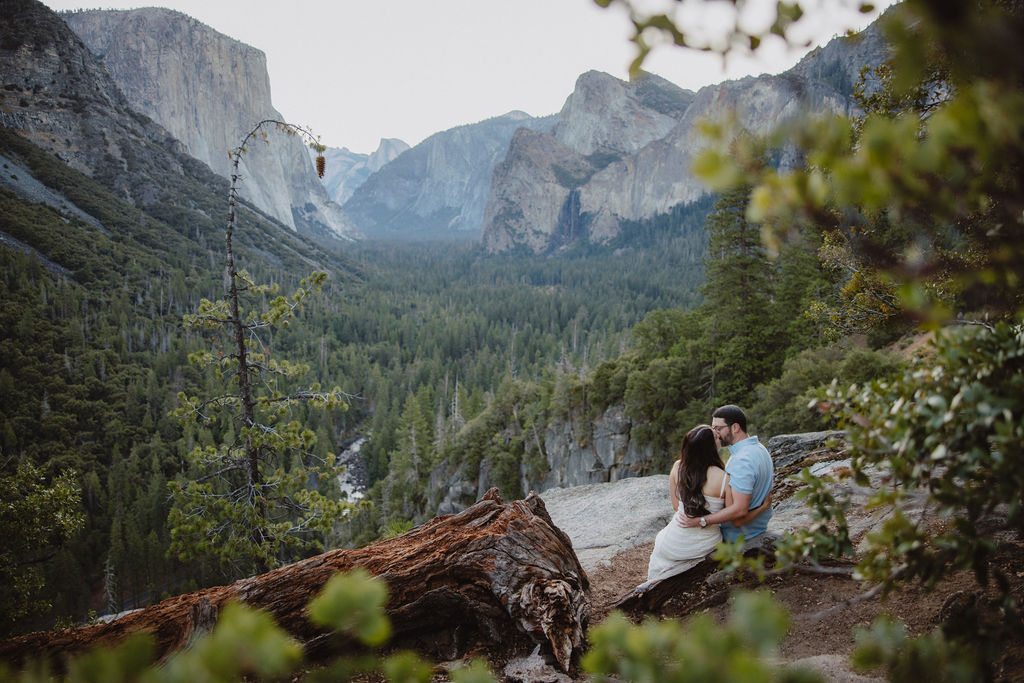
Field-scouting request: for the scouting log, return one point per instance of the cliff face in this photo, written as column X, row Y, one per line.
column 534, row 194
column 440, row 186
column 59, row 96
column 537, row 191
column 575, row 453
column 347, row 170
column 209, row 90
column 606, row 116
column 640, row 140
column 56, row 94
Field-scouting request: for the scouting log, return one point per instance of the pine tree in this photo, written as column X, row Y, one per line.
column 249, row 505
column 743, row 339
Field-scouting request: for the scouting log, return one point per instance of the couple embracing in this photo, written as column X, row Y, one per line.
column 713, row 500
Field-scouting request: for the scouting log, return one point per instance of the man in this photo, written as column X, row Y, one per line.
column 750, row 473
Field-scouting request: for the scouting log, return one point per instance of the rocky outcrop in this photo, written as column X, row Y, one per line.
column 347, row 170
column 640, row 144
column 594, row 452
column 439, row 187
column 537, row 191
column 579, row 454
column 605, row 519
column 607, row 116
column 575, row 452
column 60, row 97
column 209, row 90
column 535, row 195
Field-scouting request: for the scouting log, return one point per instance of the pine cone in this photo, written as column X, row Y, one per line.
column 321, row 165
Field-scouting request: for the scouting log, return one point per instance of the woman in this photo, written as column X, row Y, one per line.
column 698, row 483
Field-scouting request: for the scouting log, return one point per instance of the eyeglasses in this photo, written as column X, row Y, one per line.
column 717, row 427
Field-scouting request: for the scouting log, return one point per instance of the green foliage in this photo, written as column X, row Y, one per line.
column 476, row 672
column 918, row 206
column 788, row 404
column 679, row 232
column 751, row 319
column 246, row 643
column 740, row 34
column 656, row 395
column 609, row 379
column 250, row 506
column 868, row 301
column 35, row 519
column 128, row 661
column 663, row 333
column 750, row 301
column 353, row 603
column 929, row 657
column 948, row 429
column 92, row 355
column 396, row 527
column 828, row 535
column 700, row 651
column 918, row 198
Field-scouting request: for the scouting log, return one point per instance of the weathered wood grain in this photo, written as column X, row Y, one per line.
column 483, row 577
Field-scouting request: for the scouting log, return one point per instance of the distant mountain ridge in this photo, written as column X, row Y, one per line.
column 536, row 191
column 622, row 152
column 617, row 153
column 209, row 90
column 347, row 170
column 439, row 188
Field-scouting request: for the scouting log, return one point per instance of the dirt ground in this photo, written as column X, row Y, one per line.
column 957, row 600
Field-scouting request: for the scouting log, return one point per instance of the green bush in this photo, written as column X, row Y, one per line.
column 671, row 652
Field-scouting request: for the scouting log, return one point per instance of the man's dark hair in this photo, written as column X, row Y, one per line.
column 732, row 415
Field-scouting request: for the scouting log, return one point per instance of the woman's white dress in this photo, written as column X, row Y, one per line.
column 677, row 549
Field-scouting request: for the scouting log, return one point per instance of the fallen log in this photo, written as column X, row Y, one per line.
column 489, row 575
column 651, row 598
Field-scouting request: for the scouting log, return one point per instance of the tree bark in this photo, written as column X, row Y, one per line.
column 654, row 597
column 689, row 583
column 488, row 576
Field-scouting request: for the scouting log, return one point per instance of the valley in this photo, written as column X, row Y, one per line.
column 523, row 303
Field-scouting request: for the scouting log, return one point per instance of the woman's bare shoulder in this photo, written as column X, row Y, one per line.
column 714, row 480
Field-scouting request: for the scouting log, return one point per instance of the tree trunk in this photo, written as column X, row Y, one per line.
column 654, row 597
column 487, row 576
column 689, row 583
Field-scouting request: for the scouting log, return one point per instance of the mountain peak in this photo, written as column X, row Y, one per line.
column 208, row 90
column 606, row 115
column 639, row 139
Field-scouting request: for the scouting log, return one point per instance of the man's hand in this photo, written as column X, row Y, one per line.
column 684, row 521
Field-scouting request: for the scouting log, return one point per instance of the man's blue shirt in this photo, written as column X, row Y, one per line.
column 750, row 471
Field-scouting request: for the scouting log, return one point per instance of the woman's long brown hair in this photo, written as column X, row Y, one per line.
column 696, row 455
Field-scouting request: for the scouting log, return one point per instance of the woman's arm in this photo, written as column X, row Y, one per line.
column 673, row 485
column 751, row 514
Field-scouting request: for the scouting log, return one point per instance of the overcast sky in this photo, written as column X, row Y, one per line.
column 356, row 71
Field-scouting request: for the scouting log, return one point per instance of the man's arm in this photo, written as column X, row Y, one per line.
column 752, row 514
column 733, row 510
